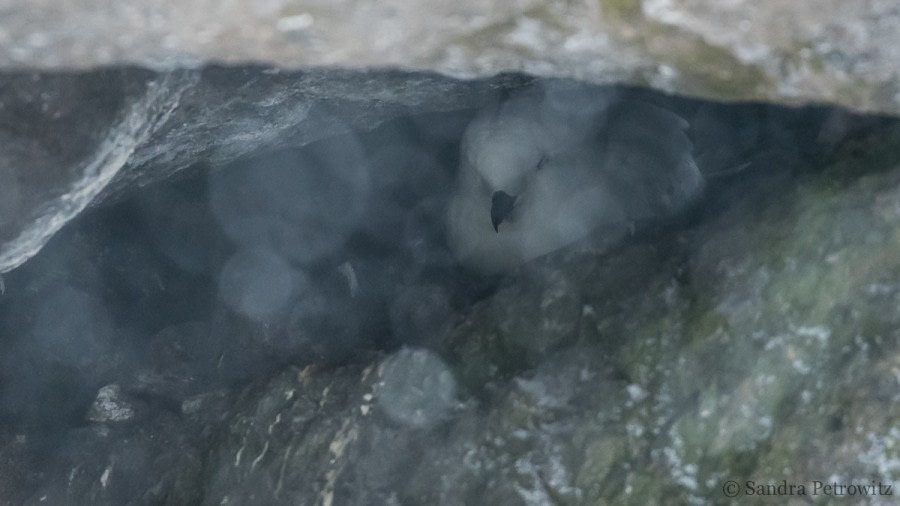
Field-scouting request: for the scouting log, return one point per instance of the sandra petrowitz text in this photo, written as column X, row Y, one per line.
column 733, row 488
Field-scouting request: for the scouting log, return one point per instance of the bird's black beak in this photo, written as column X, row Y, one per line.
column 501, row 205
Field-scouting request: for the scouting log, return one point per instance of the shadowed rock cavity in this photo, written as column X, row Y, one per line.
column 72, row 139
column 261, row 305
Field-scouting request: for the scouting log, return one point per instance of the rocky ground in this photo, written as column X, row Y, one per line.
column 752, row 339
column 224, row 277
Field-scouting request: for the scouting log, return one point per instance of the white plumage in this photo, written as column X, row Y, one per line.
column 544, row 169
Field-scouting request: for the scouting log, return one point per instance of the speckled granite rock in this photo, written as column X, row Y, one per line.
column 843, row 51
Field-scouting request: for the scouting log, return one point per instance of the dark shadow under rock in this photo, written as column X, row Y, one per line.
column 70, row 139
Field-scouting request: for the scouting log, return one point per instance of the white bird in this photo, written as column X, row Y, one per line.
column 542, row 170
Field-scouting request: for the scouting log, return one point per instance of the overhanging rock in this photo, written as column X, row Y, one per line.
column 70, row 139
column 841, row 51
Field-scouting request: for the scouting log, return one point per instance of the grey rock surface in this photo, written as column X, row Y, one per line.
column 107, row 465
column 65, row 139
column 69, row 139
column 841, row 51
column 759, row 345
column 73, row 139
column 754, row 339
column 751, row 339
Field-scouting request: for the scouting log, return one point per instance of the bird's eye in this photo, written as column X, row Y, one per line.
column 541, row 162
